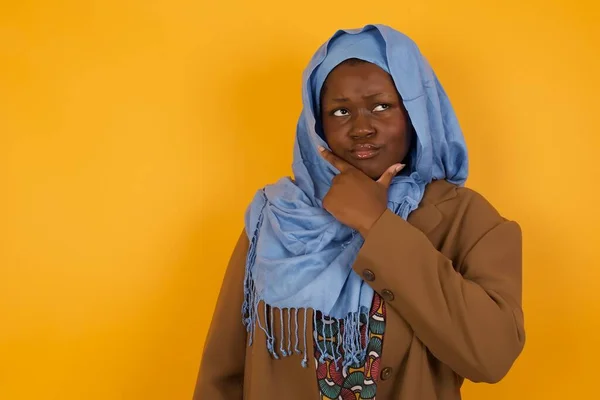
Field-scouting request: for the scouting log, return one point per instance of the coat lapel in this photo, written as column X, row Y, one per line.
column 427, row 217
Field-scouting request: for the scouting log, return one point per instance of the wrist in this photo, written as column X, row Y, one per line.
column 370, row 222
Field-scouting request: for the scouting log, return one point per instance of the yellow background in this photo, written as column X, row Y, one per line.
column 133, row 134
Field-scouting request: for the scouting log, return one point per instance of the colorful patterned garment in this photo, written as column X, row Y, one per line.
column 357, row 382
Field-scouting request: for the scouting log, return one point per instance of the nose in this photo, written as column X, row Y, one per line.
column 362, row 127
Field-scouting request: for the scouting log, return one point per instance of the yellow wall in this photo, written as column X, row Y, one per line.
column 133, row 133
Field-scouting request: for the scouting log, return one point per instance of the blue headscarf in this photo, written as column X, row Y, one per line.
column 300, row 257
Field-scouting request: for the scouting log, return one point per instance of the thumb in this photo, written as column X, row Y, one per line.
column 389, row 174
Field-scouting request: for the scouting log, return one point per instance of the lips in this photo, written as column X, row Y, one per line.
column 365, row 151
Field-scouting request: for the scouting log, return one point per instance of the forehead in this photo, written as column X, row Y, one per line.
column 358, row 75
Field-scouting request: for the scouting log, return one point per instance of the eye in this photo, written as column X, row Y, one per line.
column 342, row 112
column 381, row 107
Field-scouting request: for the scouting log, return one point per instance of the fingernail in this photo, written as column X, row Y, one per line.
column 321, row 148
column 399, row 167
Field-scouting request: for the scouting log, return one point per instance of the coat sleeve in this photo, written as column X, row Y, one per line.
column 221, row 374
column 470, row 320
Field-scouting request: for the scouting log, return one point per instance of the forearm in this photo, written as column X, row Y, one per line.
column 472, row 323
column 221, row 374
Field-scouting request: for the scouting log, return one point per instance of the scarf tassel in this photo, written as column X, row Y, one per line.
column 353, row 348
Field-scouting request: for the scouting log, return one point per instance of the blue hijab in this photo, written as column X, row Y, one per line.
column 300, row 257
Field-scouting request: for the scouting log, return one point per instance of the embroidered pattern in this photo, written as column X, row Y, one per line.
column 359, row 380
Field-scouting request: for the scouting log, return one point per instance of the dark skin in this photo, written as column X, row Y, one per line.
column 366, row 126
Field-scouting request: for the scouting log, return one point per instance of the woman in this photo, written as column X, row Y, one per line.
column 374, row 273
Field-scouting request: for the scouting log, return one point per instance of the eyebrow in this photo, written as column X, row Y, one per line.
column 345, row 99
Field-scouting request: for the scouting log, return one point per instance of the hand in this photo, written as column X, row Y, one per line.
column 354, row 199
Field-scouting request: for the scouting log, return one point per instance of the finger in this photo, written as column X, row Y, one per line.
column 387, row 177
column 337, row 162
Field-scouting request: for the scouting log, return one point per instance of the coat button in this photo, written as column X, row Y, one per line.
column 386, row 373
column 368, row 275
column 387, row 295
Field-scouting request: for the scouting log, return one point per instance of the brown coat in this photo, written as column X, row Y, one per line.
column 451, row 278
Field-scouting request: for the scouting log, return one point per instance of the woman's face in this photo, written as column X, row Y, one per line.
column 363, row 118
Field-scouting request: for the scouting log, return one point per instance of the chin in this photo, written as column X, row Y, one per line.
column 367, row 167
column 372, row 174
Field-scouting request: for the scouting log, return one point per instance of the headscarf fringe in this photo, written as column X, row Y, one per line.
column 353, row 348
